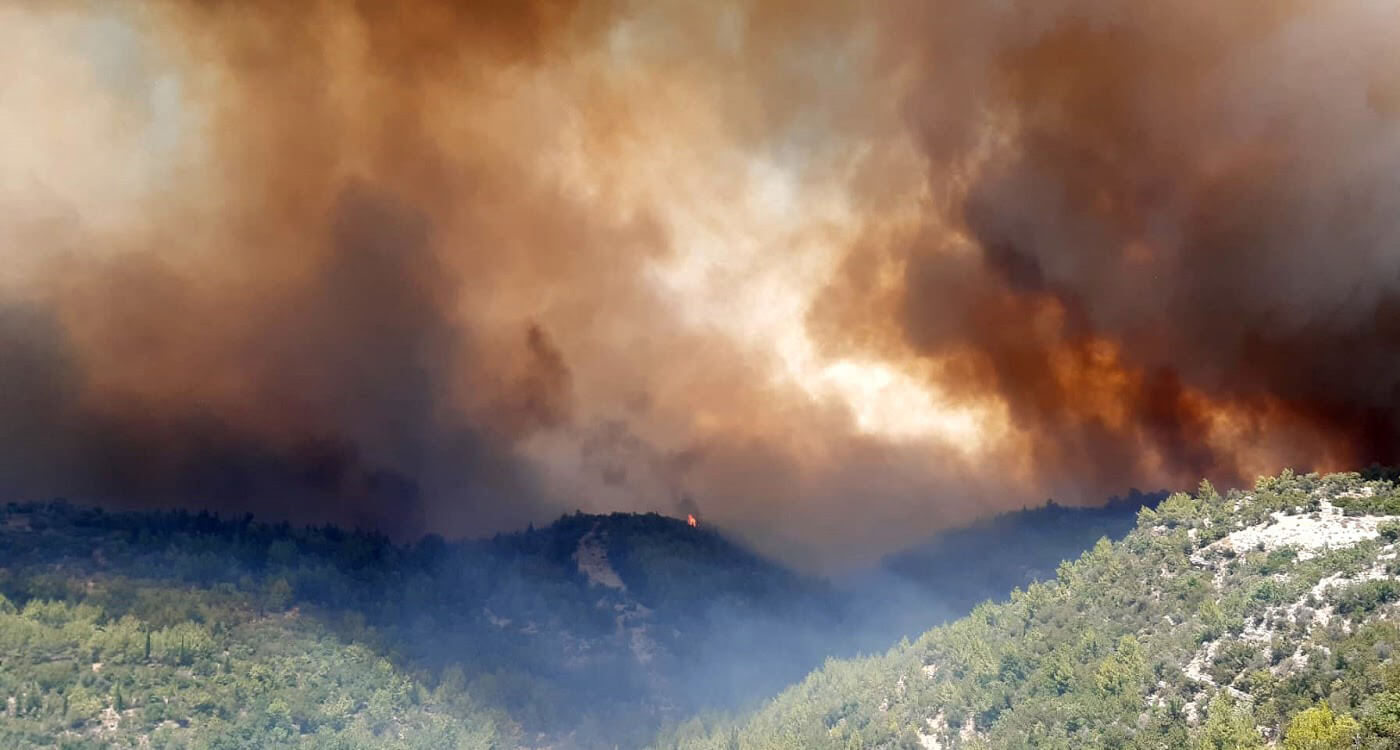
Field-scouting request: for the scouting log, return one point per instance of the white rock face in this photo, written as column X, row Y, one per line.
column 1330, row 530
column 1310, row 534
column 938, row 727
column 592, row 561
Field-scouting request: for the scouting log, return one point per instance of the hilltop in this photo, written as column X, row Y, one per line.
column 1262, row 617
column 959, row 568
column 184, row 629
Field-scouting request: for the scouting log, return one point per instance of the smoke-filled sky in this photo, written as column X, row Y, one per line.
column 836, row 274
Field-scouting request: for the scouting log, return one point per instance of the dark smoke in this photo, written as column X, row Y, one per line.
column 310, row 354
column 1164, row 236
column 345, row 382
column 455, row 266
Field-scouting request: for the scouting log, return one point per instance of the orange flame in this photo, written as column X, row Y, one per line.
column 690, row 519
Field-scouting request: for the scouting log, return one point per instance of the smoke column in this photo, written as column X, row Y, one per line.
column 837, row 276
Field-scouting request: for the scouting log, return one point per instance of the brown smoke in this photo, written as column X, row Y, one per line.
column 1163, row 236
column 837, row 276
column 294, row 328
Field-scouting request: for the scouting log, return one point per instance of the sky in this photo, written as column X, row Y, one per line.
column 836, row 275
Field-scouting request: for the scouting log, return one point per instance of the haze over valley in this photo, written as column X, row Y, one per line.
column 600, row 373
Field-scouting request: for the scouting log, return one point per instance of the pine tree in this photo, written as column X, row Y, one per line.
column 1229, row 726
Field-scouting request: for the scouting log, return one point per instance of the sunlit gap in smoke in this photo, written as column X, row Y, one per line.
column 752, row 267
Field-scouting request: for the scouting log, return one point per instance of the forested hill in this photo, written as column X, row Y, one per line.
column 959, row 568
column 1264, row 617
column 187, row 630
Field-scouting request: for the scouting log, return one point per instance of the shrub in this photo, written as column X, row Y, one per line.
column 1390, row 530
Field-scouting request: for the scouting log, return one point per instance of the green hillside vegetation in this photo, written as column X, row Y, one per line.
column 1264, row 617
column 266, row 635
column 216, row 675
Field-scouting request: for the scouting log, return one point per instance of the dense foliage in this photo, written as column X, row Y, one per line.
column 137, row 666
column 255, row 635
column 494, row 643
column 1198, row 630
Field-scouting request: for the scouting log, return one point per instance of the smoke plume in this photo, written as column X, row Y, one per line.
column 840, row 275
column 1163, row 238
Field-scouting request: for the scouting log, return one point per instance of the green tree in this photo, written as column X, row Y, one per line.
column 278, row 595
column 1229, row 726
column 1319, row 729
column 1382, row 720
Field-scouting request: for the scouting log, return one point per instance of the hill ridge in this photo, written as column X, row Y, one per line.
column 1200, row 629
